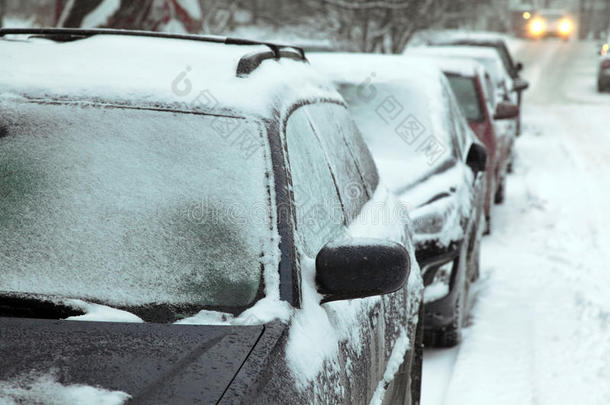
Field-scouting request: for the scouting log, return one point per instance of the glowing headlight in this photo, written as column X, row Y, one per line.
column 565, row 27
column 605, row 49
column 526, row 15
column 537, row 26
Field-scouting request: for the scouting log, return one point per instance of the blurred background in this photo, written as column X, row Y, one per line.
column 363, row 25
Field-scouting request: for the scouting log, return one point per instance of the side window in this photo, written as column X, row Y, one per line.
column 335, row 129
column 318, row 209
column 453, row 124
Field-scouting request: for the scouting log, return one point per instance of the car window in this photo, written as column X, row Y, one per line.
column 131, row 207
column 467, row 96
column 456, row 118
column 334, row 127
column 319, row 212
column 400, row 125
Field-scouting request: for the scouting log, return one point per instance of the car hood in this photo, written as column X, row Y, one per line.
column 153, row 363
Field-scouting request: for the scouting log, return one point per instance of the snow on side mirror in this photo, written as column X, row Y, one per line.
column 506, row 110
column 477, row 158
column 358, row 268
column 520, row 85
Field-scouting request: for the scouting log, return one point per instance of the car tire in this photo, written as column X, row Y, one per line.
column 499, row 196
column 449, row 336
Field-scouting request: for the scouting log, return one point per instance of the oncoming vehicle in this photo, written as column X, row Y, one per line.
column 430, row 158
column 195, row 229
column 551, row 23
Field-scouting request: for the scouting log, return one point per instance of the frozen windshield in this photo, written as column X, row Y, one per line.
column 131, row 207
column 465, row 91
column 402, row 124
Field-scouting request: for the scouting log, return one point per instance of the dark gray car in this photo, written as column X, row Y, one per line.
column 180, row 231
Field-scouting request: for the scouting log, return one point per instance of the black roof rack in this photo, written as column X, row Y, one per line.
column 246, row 65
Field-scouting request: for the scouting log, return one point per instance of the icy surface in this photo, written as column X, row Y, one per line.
column 46, row 390
column 110, row 206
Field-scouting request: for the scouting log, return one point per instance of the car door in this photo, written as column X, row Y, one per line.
column 329, row 192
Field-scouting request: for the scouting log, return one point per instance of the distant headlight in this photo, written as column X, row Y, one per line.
column 537, row 26
column 526, row 15
column 605, row 49
column 566, row 27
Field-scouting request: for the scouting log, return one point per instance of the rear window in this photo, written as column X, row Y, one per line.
column 131, row 207
column 467, row 96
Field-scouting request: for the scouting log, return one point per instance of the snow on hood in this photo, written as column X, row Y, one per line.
column 46, row 390
column 100, row 313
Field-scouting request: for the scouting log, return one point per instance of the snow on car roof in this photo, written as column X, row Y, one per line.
column 460, row 66
column 182, row 74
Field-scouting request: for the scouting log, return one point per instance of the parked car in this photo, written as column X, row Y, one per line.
column 603, row 74
column 428, row 155
column 497, row 42
column 508, row 129
column 473, row 89
column 217, row 206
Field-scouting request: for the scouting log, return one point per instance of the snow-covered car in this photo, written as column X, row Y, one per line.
column 603, row 74
column 491, row 61
column 431, row 159
column 473, row 89
column 494, row 41
column 194, row 220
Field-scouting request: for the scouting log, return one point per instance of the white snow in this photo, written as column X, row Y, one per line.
column 401, row 346
column 191, row 75
column 540, row 327
column 45, row 389
column 100, row 15
column 100, row 313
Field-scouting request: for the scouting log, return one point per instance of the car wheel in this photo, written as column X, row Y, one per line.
column 449, row 336
column 499, row 196
column 487, row 229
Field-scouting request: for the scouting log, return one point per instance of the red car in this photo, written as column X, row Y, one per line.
column 474, row 91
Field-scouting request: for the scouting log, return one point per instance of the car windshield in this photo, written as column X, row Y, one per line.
column 465, row 90
column 400, row 128
column 130, row 207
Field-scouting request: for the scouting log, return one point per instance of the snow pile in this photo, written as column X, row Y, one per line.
column 100, row 313
column 192, row 75
column 46, row 390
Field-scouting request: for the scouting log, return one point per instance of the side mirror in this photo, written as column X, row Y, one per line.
column 520, row 84
column 359, row 268
column 477, row 158
column 505, row 111
column 519, row 66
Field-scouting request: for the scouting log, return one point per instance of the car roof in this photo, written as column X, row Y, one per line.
column 459, row 51
column 160, row 72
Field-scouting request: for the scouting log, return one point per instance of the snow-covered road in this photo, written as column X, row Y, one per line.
column 540, row 328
